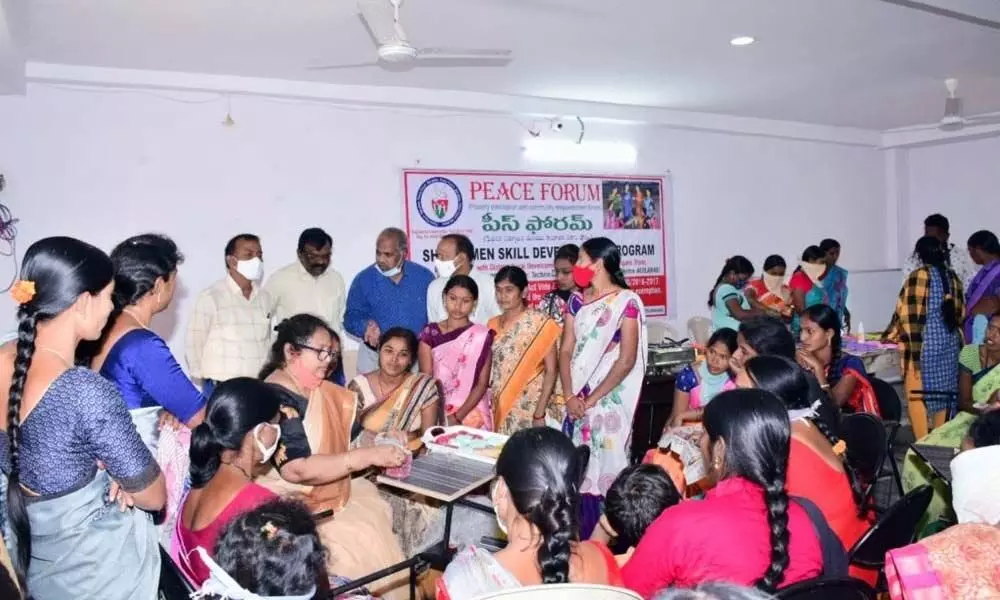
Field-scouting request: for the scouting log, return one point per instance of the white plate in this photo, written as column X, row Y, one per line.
column 495, row 439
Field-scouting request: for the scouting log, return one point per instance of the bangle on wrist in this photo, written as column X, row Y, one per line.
column 350, row 469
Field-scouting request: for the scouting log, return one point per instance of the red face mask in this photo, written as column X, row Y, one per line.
column 582, row 276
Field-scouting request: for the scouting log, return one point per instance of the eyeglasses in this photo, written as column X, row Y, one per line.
column 323, row 354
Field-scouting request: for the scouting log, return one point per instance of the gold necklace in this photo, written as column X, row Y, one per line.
column 68, row 363
column 135, row 318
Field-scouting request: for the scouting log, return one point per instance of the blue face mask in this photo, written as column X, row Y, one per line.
column 740, row 283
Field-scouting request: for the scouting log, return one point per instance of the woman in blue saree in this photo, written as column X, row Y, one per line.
column 72, row 443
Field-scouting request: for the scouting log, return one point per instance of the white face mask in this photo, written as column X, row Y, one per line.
column 266, row 453
column 493, row 499
column 252, row 269
column 393, row 271
column 444, row 268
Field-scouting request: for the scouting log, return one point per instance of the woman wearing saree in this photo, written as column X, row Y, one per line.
column 807, row 284
column 842, row 375
column 983, row 296
column 313, row 460
column 553, row 304
column 769, row 294
column 456, row 351
column 524, row 372
column 602, row 364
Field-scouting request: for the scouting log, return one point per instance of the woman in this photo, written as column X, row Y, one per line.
column 273, row 551
column 817, row 462
column 393, row 399
column 524, row 370
column 983, row 296
column 807, row 283
column 925, row 324
column 314, row 461
column 746, row 531
column 602, row 363
column 843, row 376
column 64, row 297
column 769, row 294
column 979, row 370
column 456, row 351
column 534, row 496
column 960, row 562
column 554, row 303
column 729, row 305
column 835, row 282
column 697, row 384
column 974, row 478
column 237, row 435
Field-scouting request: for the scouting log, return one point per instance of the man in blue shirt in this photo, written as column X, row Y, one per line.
column 390, row 293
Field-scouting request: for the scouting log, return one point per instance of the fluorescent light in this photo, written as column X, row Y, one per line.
column 742, row 40
column 568, row 151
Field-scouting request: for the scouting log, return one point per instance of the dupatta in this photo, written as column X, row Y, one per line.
column 519, row 353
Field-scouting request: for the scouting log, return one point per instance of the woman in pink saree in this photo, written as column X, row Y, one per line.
column 457, row 352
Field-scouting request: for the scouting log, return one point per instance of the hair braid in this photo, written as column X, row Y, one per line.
column 852, row 476
column 776, row 498
column 553, row 516
column 16, row 508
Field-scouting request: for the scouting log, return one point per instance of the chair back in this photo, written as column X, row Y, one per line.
column 173, row 584
column 562, row 591
column 847, row 588
column 699, row 329
column 895, row 529
column 889, row 404
column 865, row 437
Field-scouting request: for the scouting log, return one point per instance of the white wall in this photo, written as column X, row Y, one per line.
column 960, row 180
column 104, row 164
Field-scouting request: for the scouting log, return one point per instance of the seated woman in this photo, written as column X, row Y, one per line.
column 745, row 531
column 843, row 376
column 729, row 305
column 807, row 283
column 769, row 294
column 524, row 370
column 273, row 551
column 392, row 399
column 817, row 463
column 71, row 440
column 237, row 435
column 456, row 351
column 975, row 482
column 314, row 460
column 535, row 497
column 697, row 384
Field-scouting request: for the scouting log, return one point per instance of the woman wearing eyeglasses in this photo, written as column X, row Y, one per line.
column 314, row 460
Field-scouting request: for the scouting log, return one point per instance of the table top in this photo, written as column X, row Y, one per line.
column 444, row 477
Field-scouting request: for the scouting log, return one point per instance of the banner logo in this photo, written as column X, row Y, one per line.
column 439, row 202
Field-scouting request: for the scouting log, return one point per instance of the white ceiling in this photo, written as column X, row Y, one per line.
column 860, row 63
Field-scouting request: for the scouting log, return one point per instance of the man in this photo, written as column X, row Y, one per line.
column 229, row 333
column 835, row 282
column 937, row 226
column 309, row 285
column 455, row 254
column 390, row 293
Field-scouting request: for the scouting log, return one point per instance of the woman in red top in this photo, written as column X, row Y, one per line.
column 806, row 283
column 238, row 434
column 744, row 531
column 817, row 465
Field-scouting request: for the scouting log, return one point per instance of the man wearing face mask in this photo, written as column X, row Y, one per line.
column 390, row 293
column 230, row 331
column 309, row 285
column 455, row 254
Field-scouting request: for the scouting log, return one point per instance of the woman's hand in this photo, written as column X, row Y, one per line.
column 575, row 407
column 168, row 420
column 808, row 361
column 386, row 456
column 123, row 498
column 675, row 422
column 452, row 420
column 538, row 421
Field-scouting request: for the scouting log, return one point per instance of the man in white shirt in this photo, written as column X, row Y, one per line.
column 229, row 333
column 309, row 285
column 937, row 226
column 455, row 256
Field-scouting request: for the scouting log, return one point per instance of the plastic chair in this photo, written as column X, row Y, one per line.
column 895, row 529
column 827, row 589
column 865, row 437
column 891, row 409
column 699, row 329
column 562, row 591
column 173, row 584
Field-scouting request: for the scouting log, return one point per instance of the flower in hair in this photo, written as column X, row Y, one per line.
column 840, row 448
column 23, row 291
column 269, row 530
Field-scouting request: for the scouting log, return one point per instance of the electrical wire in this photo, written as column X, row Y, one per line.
column 8, row 234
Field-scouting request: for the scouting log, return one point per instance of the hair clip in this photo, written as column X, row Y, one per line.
column 269, row 530
column 840, row 448
column 23, row 291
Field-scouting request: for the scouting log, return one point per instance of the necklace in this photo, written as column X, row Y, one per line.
column 380, row 389
column 68, row 363
column 136, row 318
column 241, row 469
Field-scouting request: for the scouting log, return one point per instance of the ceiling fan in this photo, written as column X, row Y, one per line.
column 953, row 119
column 395, row 52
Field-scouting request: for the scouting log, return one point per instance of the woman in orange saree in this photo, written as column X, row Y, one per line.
column 524, row 372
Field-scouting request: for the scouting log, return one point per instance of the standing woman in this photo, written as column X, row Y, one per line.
column 456, row 351
column 729, row 305
column 835, row 282
column 983, row 295
column 554, row 303
column 58, row 496
column 524, row 370
column 601, row 364
column 807, row 283
column 769, row 294
column 926, row 325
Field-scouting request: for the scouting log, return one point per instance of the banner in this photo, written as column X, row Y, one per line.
column 523, row 218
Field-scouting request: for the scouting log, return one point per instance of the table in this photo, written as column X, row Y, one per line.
column 881, row 360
